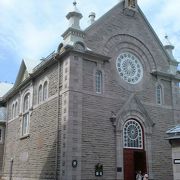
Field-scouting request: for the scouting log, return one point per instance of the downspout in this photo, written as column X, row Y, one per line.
column 173, row 100
column 11, row 167
column 5, row 135
column 57, row 130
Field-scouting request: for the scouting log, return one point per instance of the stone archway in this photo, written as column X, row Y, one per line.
column 144, row 154
column 134, row 154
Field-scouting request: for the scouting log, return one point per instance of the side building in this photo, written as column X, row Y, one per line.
column 4, row 88
column 97, row 108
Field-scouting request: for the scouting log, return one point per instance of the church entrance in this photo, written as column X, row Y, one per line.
column 134, row 153
column 134, row 161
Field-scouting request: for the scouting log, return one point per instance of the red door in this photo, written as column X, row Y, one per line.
column 134, row 160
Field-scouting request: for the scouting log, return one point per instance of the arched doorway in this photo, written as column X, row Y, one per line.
column 133, row 149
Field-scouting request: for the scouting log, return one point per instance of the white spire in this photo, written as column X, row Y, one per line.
column 74, row 33
column 169, row 47
column 74, row 17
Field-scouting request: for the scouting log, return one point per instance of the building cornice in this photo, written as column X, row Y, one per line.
column 56, row 56
column 165, row 74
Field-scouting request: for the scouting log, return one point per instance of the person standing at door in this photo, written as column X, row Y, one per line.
column 145, row 177
column 139, row 176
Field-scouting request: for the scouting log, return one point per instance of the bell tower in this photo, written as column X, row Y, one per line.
column 131, row 4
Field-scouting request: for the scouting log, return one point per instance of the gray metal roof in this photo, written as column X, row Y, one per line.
column 4, row 88
column 174, row 130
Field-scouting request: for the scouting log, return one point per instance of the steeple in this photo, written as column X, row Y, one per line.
column 172, row 61
column 73, row 34
column 169, row 48
column 131, row 4
column 74, row 17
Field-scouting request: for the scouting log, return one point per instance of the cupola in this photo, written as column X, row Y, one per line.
column 169, row 49
column 73, row 35
column 74, row 17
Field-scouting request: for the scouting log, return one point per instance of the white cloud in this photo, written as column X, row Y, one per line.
column 33, row 28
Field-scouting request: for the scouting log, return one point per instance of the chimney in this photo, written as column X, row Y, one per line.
column 92, row 16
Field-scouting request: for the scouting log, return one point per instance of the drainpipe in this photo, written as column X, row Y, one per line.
column 5, row 134
column 11, row 167
column 57, row 130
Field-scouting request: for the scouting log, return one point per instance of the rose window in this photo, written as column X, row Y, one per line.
column 129, row 68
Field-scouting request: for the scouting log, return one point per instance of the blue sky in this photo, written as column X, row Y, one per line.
column 32, row 28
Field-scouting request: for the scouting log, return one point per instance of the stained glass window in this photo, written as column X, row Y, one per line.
column 133, row 137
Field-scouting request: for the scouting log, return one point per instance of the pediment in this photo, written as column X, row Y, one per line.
column 25, row 70
column 133, row 108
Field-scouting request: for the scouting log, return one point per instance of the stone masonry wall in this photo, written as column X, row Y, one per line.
column 34, row 156
column 111, row 35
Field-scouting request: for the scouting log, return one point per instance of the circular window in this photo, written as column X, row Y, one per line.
column 133, row 135
column 129, row 68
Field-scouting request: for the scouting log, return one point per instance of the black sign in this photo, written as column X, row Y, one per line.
column 98, row 169
column 74, row 163
column 119, row 169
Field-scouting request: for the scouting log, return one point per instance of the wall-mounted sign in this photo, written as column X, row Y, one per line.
column 98, row 169
column 74, row 163
column 176, row 161
column 119, row 169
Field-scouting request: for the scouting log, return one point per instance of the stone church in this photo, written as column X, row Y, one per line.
column 97, row 108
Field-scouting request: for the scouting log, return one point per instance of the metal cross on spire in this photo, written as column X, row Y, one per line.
column 74, row 3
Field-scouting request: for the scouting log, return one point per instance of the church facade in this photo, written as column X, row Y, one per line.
column 97, row 108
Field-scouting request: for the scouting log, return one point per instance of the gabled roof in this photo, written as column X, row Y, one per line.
column 26, row 69
column 175, row 129
column 4, row 88
column 121, row 4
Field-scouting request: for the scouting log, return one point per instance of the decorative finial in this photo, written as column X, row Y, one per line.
column 74, row 3
column 167, row 41
column 169, row 47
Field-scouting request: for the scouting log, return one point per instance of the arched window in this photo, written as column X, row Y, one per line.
column 25, row 122
column 26, row 103
column 13, row 111
column 133, row 135
column 159, row 94
column 98, row 82
column 40, row 94
column 16, row 109
column 45, row 90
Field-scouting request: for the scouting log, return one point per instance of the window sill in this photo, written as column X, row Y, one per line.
column 25, row 136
